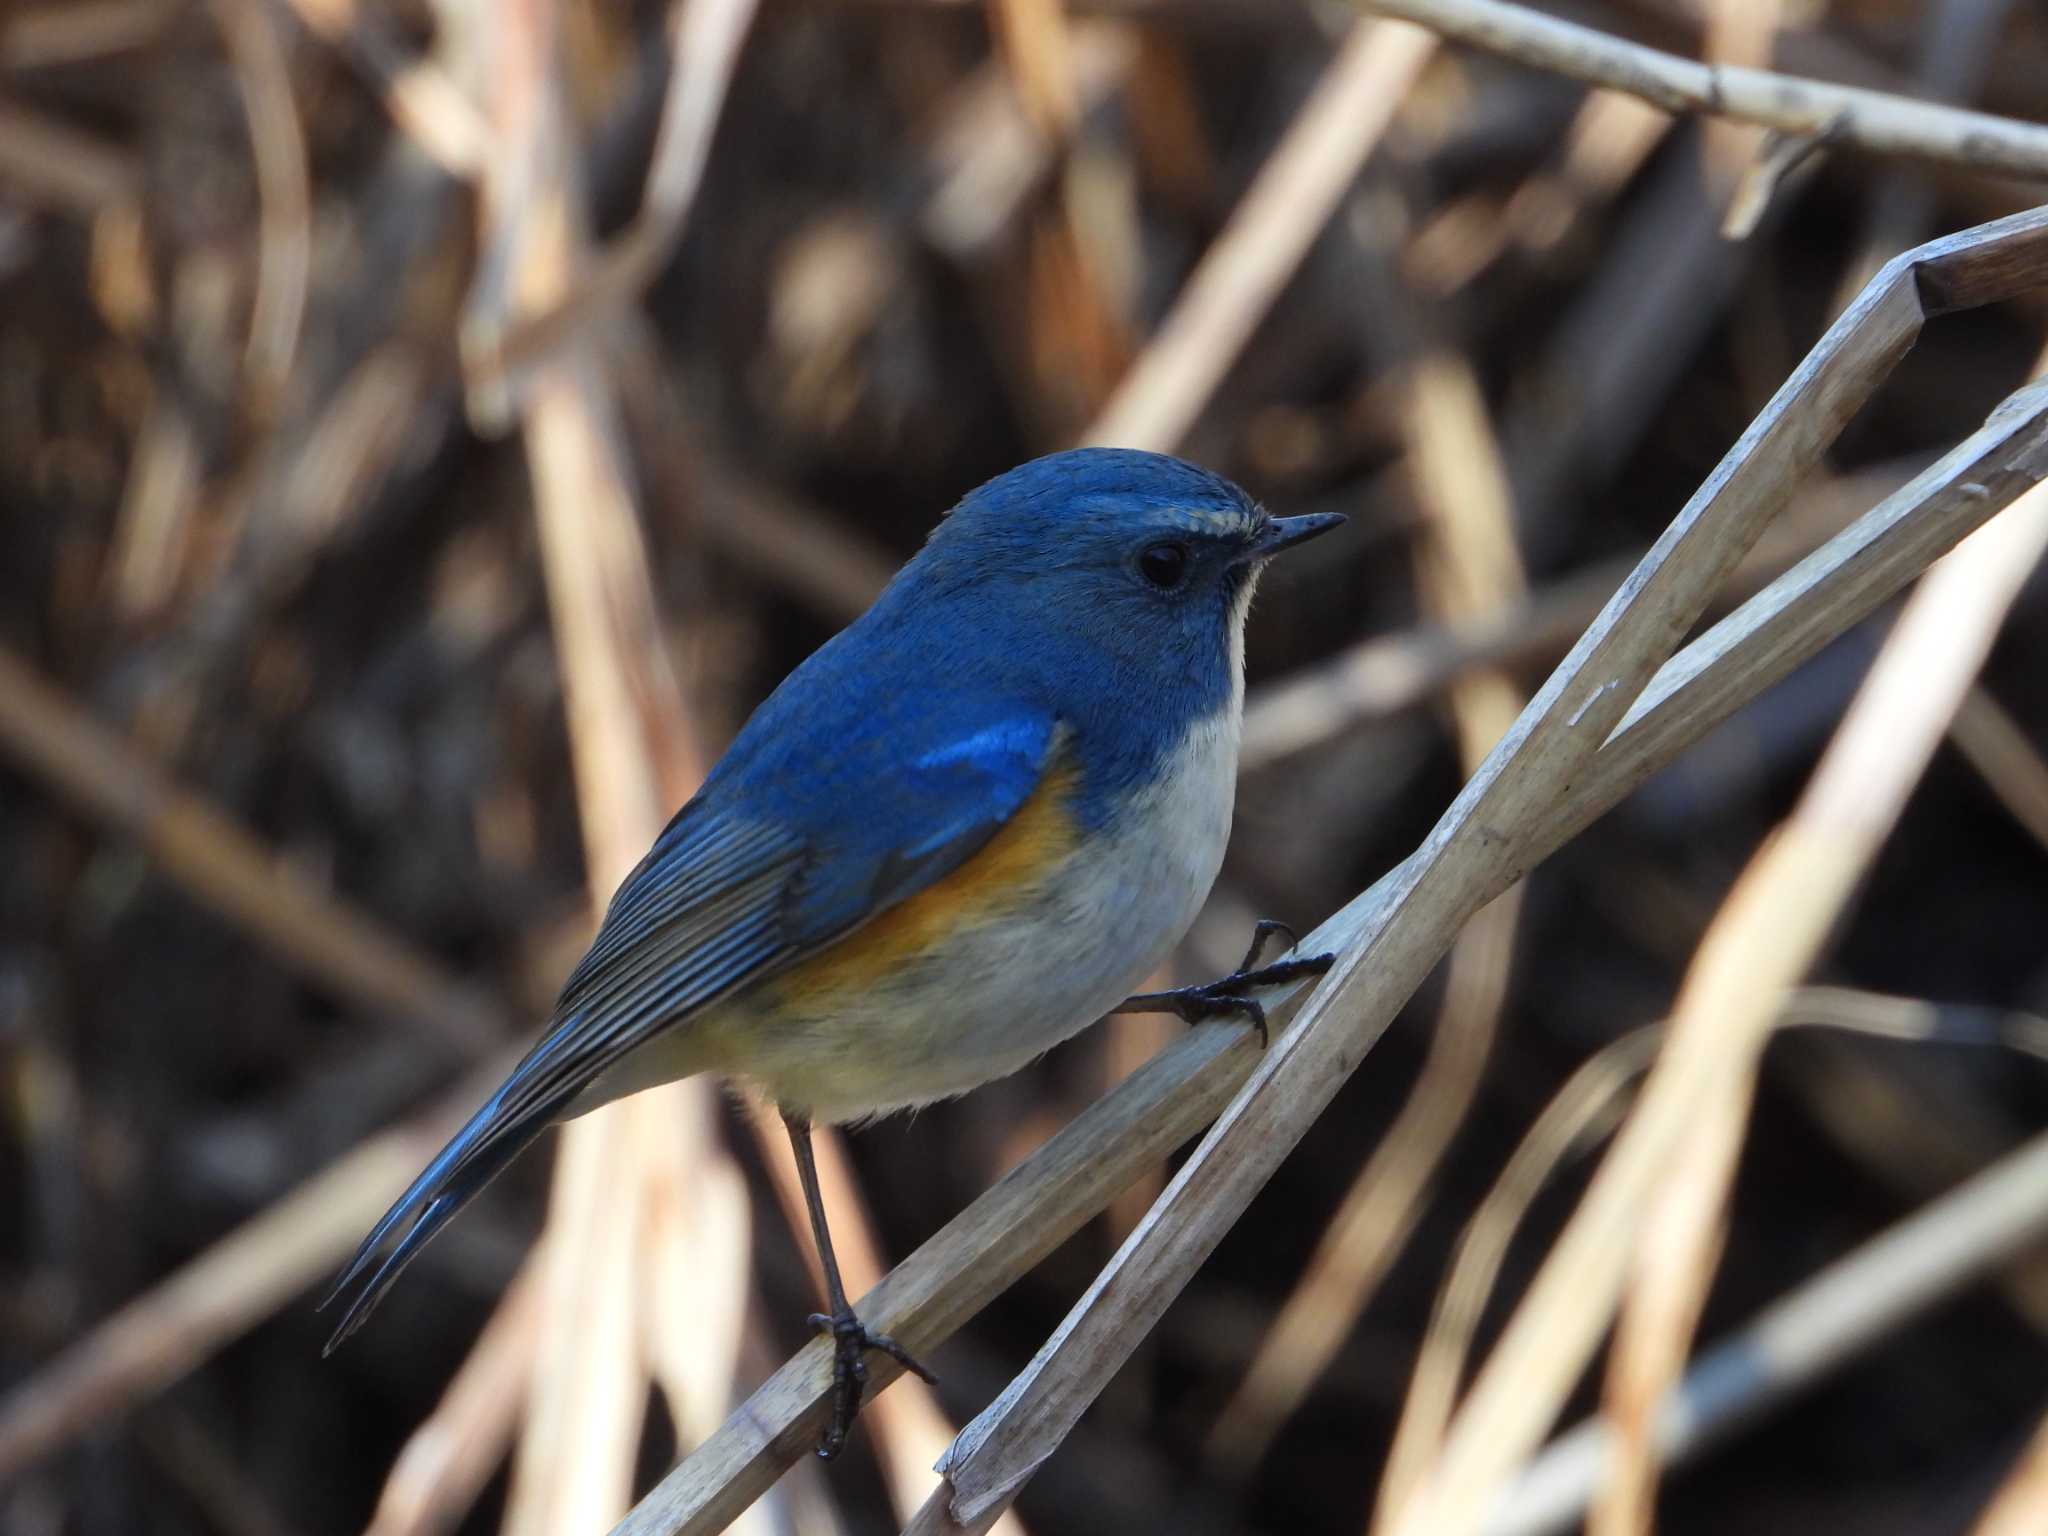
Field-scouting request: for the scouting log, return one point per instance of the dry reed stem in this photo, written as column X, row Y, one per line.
column 628, row 740
column 1581, row 1111
column 1992, row 742
column 1767, row 936
column 704, row 46
column 1487, row 839
column 1555, row 1490
column 1504, row 1415
column 70, row 32
column 1269, row 232
column 1383, row 675
column 452, row 1452
column 284, row 228
column 1045, row 1198
column 1038, row 51
column 55, row 166
column 212, row 1299
column 908, row 1427
column 1856, row 1301
column 1875, row 121
column 222, row 865
column 420, row 98
column 2021, row 1505
column 1469, row 570
column 986, row 155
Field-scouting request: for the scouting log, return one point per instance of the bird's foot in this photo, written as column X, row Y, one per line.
column 850, row 1343
column 1225, row 998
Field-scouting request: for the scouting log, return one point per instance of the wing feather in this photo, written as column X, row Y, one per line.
column 731, row 892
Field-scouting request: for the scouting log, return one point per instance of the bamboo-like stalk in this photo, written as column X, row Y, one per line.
column 1877, row 121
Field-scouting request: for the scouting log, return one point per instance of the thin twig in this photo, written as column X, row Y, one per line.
column 1870, row 120
column 1269, row 232
column 1768, row 935
column 223, row 865
column 1854, row 1302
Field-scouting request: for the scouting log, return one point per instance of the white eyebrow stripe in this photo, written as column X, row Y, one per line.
column 1204, row 520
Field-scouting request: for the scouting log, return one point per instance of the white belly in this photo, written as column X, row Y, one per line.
column 998, row 996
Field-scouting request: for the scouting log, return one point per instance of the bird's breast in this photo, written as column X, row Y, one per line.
column 1056, row 919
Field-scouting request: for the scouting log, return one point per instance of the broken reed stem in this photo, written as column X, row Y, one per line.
column 1875, row 121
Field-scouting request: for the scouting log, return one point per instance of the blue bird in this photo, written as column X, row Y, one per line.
column 965, row 828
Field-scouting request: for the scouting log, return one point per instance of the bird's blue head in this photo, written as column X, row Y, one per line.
column 1141, row 558
column 1110, row 574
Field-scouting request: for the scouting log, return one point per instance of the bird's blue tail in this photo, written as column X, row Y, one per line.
column 493, row 1136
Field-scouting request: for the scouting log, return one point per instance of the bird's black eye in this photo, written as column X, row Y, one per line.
column 1164, row 565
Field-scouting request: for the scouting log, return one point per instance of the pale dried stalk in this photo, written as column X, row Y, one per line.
column 1269, row 232
column 1587, row 1105
column 451, row 1454
column 1986, row 1221
column 705, row 38
column 1992, row 742
column 419, row 97
column 49, row 163
column 629, row 744
column 1489, row 837
column 1506, row 1412
column 1870, row 120
column 1047, row 1197
column 1469, row 571
column 2021, row 1506
column 1767, row 936
column 284, row 228
column 225, row 867
column 210, row 1300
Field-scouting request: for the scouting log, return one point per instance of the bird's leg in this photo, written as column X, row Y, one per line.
column 850, row 1339
column 1225, row 998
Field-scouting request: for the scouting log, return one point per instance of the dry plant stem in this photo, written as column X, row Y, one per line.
column 1469, row 570
column 975, row 1257
column 451, row 1455
column 705, row 38
column 2021, row 1505
column 1488, row 838
column 1584, row 1109
column 2010, row 765
column 1040, row 1203
column 80, row 31
column 1764, row 941
column 1870, row 120
column 1269, row 232
column 573, row 1471
column 420, row 98
column 1854, row 1302
column 284, row 234
column 907, row 1425
column 54, row 166
column 223, row 866
column 260, row 1266
column 1507, row 1415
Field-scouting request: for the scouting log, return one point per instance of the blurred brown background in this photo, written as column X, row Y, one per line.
column 289, row 830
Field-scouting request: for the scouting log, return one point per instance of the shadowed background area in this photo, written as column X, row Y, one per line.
column 427, row 428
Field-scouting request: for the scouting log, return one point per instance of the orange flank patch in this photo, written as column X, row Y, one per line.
column 994, row 881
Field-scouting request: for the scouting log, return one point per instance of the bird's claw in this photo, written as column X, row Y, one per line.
column 850, row 1343
column 1224, row 998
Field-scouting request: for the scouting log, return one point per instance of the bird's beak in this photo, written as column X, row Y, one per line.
column 1286, row 532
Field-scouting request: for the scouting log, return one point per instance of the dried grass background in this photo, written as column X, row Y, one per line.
column 427, row 428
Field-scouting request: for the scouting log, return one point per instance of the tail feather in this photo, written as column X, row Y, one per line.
column 475, row 1155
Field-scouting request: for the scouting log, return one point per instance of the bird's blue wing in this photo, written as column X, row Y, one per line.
column 777, row 857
